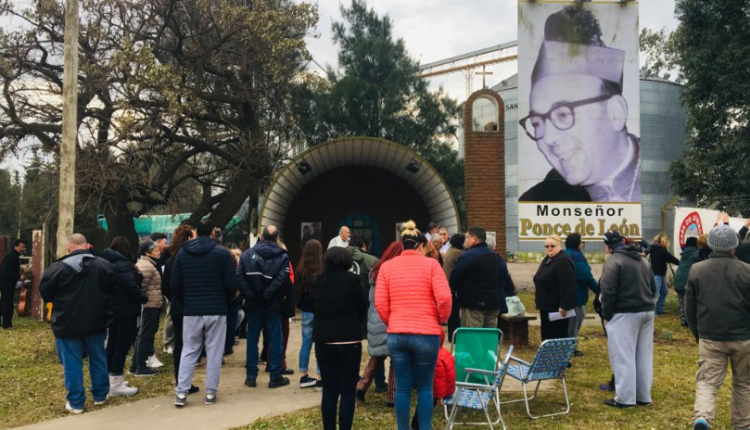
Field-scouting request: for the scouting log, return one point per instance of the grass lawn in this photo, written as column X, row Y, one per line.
column 31, row 379
column 32, row 390
column 675, row 364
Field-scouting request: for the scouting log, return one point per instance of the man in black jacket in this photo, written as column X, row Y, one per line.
column 478, row 280
column 264, row 270
column 80, row 286
column 204, row 281
column 10, row 273
column 627, row 296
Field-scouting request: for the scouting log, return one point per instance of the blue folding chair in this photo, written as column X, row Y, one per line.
column 478, row 396
column 550, row 363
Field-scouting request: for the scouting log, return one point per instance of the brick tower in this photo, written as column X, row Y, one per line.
column 484, row 157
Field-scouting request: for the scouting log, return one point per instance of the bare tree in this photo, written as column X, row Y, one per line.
column 179, row 100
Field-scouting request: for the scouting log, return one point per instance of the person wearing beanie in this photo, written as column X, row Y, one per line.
column 717, row 306
column 627, row 292
column 690, row 255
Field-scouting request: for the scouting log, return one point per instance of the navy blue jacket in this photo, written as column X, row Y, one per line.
column 203, row 278
column 479, row 279
column 584, row 279
column 264, row 271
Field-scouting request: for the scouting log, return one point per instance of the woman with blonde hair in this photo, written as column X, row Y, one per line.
column 555, row 285
column 412, row 298
column 703, row 249
column 660, row 257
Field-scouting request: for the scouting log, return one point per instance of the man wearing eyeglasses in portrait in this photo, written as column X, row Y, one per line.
column 578, row 115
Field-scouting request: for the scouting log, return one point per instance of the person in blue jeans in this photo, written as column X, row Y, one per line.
column 412, row 298
column 309, row 266
column 264, row 270
column 414, row 358
column 660, row 258
column 81, row 286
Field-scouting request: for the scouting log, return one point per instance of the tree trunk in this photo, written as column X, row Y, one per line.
column 120, row 220
column 240, row 189
column 203, row 209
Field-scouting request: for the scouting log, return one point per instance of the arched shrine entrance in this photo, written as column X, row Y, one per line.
column 369, row 184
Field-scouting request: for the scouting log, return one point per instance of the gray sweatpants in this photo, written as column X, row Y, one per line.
column 197, row 330
column 575, row 325
column 630, row 338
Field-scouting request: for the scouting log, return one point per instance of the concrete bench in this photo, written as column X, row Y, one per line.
column 516, row 329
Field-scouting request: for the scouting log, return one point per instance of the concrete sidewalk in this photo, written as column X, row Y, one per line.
column 232, row 410
column 237, row 405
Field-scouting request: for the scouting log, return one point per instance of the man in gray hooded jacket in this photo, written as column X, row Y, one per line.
column 627, row 296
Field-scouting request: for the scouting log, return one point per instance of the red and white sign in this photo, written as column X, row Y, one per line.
column 691, row 227
column 694, row 222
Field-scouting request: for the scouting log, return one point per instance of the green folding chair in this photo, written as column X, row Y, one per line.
column 476, row 349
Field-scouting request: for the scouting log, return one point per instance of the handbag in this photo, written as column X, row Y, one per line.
column 515, row 306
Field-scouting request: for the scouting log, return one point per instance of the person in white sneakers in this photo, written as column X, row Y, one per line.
column 126, row 307
column 81, row 287
column 144, row 361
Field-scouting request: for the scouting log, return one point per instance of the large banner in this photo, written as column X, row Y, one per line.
column 579, row 165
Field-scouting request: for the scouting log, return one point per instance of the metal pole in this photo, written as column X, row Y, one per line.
column 68, row 145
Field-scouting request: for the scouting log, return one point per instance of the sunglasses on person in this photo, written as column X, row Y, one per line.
column 550, row 246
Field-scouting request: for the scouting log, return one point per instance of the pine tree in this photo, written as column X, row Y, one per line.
column 377, row 92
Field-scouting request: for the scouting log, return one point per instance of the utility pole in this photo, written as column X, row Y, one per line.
column 68, row 145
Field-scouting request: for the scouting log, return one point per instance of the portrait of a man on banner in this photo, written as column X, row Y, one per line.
column 578, row 115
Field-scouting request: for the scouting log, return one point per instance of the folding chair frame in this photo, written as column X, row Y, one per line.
column 484, row 373
column 479, row 389
column 526, row 399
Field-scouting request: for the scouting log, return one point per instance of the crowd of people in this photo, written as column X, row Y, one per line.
column 108, row 304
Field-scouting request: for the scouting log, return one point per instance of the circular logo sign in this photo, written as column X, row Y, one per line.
column 691, row 227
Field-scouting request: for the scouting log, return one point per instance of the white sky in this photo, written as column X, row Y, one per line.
column 438, row 29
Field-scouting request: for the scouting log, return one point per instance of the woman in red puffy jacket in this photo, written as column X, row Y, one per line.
column 444, row 382
column 412, row 298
